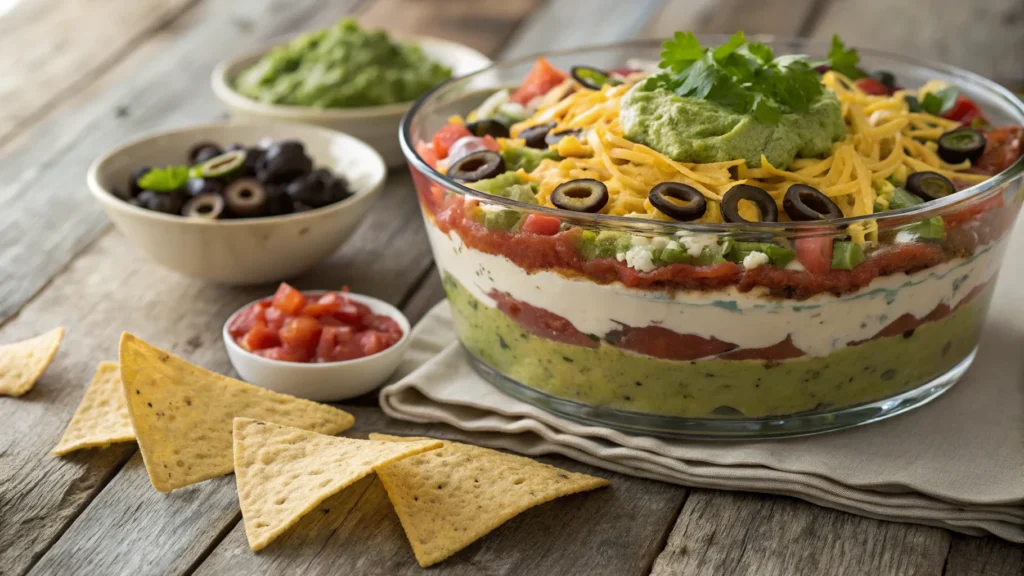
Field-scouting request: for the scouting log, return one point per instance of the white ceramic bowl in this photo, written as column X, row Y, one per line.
column 377, row 125
column 324, row 382
column 243, row 251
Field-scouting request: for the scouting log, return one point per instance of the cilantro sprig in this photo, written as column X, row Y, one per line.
column 746, row 77
column 166, row 179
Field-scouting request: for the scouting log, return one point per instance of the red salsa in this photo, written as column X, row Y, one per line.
column 295, row 327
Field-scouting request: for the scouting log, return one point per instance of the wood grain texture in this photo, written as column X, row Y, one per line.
column 164, row 83
column 730, row 16
column 427, row 294
column 986, row 37
column 49, row 47
column 359, row 533
column 983, row 557
column 760, row 535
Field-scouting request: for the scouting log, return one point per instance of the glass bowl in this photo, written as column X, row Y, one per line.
column 564, row 323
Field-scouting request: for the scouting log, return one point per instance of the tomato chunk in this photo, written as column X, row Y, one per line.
column 426, row 152
column 815, row 253
column 324, row 306
column 541, row 224
column 870, row 85
column 284, row 354
column 244, row 321
column 448, row 134
column 541, row 78
column 965, row 111
column 275, row 318
column 301, row 333
column 288, row 299
column 259, row 337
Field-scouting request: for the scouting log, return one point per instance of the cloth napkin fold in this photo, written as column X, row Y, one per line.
column 956, row 463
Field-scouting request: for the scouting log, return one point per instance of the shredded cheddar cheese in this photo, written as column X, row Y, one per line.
column 883, row 139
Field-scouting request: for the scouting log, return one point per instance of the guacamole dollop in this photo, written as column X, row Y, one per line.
column 695, row 130
column 342, row 66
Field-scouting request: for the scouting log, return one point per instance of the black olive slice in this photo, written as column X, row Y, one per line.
column 488, row 127
column 203, row 151
column 166, row 202
column 553, row 138
column 961, row 144
column 253, row 157
column 766, row 207
column 223, row 165
column 886, row 78
column 313, row 190
column 479, row 165
column 133, row 184
column 590, row 77
column 535, row 135
column 583, row 195
column 283, row 162
column 695, row 203
column 246, row 198
column 209, row 206
column 803, row 203
column 929, row 185
column 196, row 186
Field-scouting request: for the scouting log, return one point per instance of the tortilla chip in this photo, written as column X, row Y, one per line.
column 283, row 473
column 22, row 363
column 102, row 417
column 182, row 414
column 452, row 497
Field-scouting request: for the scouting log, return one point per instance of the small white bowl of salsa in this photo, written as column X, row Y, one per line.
column 319, row 345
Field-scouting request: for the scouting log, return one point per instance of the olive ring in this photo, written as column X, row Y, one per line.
column 695, row 205
column 803, row 203
column 766, row 207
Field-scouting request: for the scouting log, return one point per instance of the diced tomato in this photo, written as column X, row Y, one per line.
column 353, row 313
column 337, row 344
column 284, row 354
column 426, row 152
column 540, row 224
column 301, row 333
column 815, row 253
column 541, row 78
column 325, row 306
column 259, row 337
column 870, row 85
column 372, row 342
column 244, row 321
column 275, row 318
column 288, row 299
column 448, row 134
column 965, row 111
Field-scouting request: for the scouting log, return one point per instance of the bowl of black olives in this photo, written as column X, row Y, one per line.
column 238, row 203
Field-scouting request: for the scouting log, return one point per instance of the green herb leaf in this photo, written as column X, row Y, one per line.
column 940, row 102
column 681, row 51
column 763, row 53
column 166, row 179
column 737, row 40
column 844, row 60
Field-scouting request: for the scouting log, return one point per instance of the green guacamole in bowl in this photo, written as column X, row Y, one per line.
column 343, row 66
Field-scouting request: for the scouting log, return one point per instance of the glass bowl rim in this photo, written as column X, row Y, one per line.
column 903, row 216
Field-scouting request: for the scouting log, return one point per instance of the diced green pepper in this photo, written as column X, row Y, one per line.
column 846, row 255
column 777, row 255
column 709, row 256
column 526, row 158
column 930, row 229
column 501, row 219
column 903, row 199
column 506, row 185
column 603, row 245
column 674, row 255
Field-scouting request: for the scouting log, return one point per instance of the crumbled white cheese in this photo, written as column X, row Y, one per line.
column 639, row 258
column 696, row 243
column 755, row 259
column 795, row 266
column 487, row 207
column 904, row 236
column 672, row 245
column 659, row 242
column 640, row 241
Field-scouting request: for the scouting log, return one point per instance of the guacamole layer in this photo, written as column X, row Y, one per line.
column 608, row 377
column 694, row 130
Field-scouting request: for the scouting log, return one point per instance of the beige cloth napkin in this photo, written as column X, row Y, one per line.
column 956, row 463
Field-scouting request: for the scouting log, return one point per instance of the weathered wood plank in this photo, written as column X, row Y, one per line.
column 983, row 557
column 738, row 534
column 49, row 47
column 163, row 83
column 985, row 37
column 427, row 294
column 562, row 24
column 359, row 533
column 729, row 16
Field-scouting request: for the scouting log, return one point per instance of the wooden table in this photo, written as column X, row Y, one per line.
column 77, row 77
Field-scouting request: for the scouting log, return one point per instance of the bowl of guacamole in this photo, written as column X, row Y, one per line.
column 343, row 77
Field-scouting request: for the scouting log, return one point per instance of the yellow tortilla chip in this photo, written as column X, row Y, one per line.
column 22, row 363
column 182, row 414
column 102, row 417
column 452, row 497
column 283, row 473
